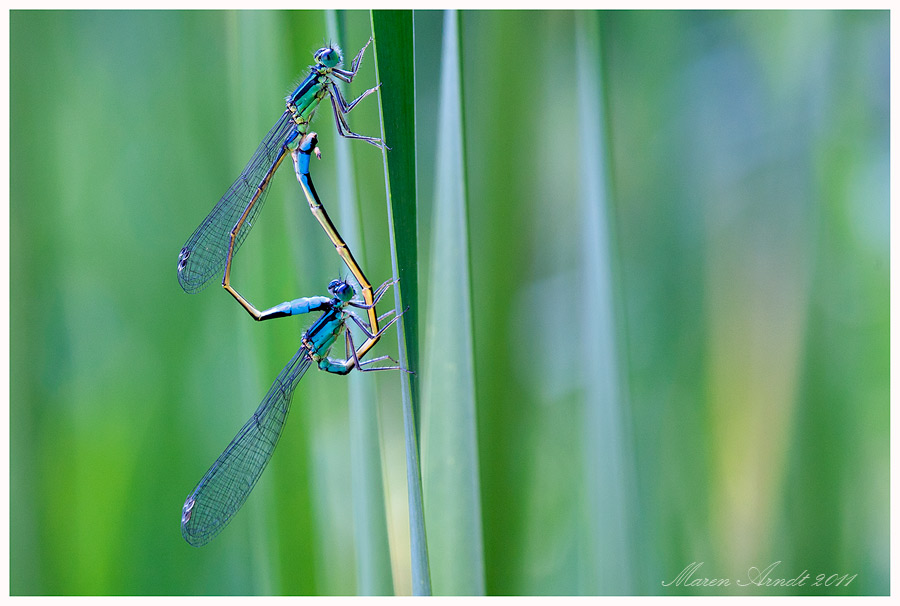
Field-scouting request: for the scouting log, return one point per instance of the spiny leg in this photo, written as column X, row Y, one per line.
column 347, row 76
column 379, row 292
column 345, row 107
column 349, row 351
column 371, row 339
column 385, row 315
column 376, row 296
column 341, row 122
column 362, row 366
column 369, row 335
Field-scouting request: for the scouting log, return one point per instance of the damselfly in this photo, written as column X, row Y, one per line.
column 215, row 242
column 229, row 481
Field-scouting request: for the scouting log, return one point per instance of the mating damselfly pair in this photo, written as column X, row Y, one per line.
column 212, row 247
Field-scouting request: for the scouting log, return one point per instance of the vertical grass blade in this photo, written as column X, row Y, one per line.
column 395, row 67
column 373, row 568
column 396, row 73
column 449, row 437
column 605, row 550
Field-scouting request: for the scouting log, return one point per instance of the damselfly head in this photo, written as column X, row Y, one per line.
column 341, row 290
column 329, row 56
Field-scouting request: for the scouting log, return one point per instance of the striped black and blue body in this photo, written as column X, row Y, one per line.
column 220, row 235
column 228, row 482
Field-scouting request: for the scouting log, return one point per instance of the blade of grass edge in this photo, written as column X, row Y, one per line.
column 449, row 436
column 394, row 41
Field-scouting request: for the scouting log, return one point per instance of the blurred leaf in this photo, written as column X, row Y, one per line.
column 606, row 559
column 449, row 437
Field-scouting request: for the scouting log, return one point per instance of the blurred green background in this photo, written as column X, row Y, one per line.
column 678, row 235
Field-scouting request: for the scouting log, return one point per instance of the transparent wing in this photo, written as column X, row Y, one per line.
column 228, row 483
column 203, row 256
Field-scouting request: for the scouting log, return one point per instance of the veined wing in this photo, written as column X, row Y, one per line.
column 203, row 256
column 228, row 483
